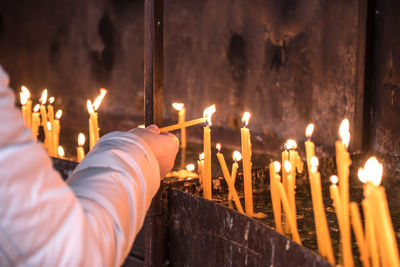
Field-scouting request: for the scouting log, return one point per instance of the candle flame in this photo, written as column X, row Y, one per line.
column 60, row 151
column 218, row 146
column 26, row 92
column 314, row 163
column 288, row 166
column 23, row 98
column 201, row 156
column 237, row 156
column 89, row 106
column 81, row 139
column 344, row 132
column 277, row 166
column 49, row 126
column 361, row 175
column 58, row 114
column 246, row 118
column 141, row 126
column 309, row 130
column 207, row 114
column 290, row 144
column 36, row 108
column 43, row 98
column 178, row 106
column 372, row 171
column 97, row 101
column 51, row 100
column 190, row 167
column 334, row 179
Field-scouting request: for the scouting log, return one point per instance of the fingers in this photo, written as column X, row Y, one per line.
column 176, row 140
column 153, row 128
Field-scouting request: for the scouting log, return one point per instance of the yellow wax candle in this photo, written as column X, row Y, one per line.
column 56, row 128
column 51, row 148
column 60, row 152
column 50, row 110
column 321, row 224
column 274, row 167
column 35, row 121
column 80, row 152
column 309, row 145
column 23, row 101
column 228, row 180
column 291, row 188
column 235, row 166
column 200, row 168
column 182, row 125
column 94, row 115
column 207, row 180
column 92, row 138
column 95, row 125
column 370, row 236
column 246, row 155
column 26, row 106
column 180, row 107
column 289, row 214
column 43, row 114
column 359, row 233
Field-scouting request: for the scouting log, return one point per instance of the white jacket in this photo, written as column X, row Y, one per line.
column 92, row 220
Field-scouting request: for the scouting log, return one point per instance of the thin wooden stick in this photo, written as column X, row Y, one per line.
column 182, row 125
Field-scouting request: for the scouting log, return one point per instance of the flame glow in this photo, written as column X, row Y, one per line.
column 141, row 126
column 218, row 146
column 51, row 100
column 43, row 98
column 26, row 92
column 288, row 166
column 201, row 156
column 344, row 132
column 314, row 164
column 309, row 130
column 178, row 106
column 58, row 114
column 89, row 106
column 334, row 179
column 290, row 144
column 372, row 171
column 97, row 101
column 49, row 126
column 237, row 156
column 277, row 166
column 246, row 118
column 60, row 151
column 207, row 114
column 81, row 139
column 23, row 98
column 190, row 167
column 36, row 108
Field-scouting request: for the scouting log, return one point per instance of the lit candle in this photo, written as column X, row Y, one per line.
column 246, row 161
column 91, row 132
column 94, row 114
column 359, row 233
column 80, row 152
column 235, row 166
column 50, row 110
column 180, row 107
column 382, row 221
column 291, row 219
column 43, row 114
column 228, row 179
column 26, row 106
column 51, row 148
column 321, row 224
column 56, row 128
column 200, row 168
column 61, row 153
column 291, row 188
column 370, row 236
column 309, row 145
column 343, row 163
column 274, row 168
column 207, row 181
column 35, row 121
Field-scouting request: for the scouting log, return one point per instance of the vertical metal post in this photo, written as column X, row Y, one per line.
column 155, row 224
column 153, row 61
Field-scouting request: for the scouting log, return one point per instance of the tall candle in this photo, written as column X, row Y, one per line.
column 359, row 233
column 291, row 188
column 35, row 121
column 51, row 148
column 274, row 167
column 235, row 166
column 80, row 152
column 180, row 107
column 23, row 99
column 56, row 128
column 207, row 182
column 246, row 160
column 370, row 236
column 94, row 116
column 43, row 114
column 26, row 106
column 228, row 180
column 309, row 145
column 91, row 129
column 200, row 168
column 50, row 110
column 321, row 224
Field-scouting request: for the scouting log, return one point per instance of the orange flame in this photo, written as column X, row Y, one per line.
column 277, row 166
column 288, row 166
column 218, row 146
column 49, row 126
column 58, row 114
column 190, row 167
column 314, row 164
column 201, row 156
column 36, row 108
column 246, row 118
column 178, row 106
column 23, row 98
column 26, row 92
column 344, row 132
column 43, row 98
column 51, row 100
column 97, row 101
column 290, row 144
column 207, row 114
column 372, row 171
column 309, row 130
column 60, row 151
column 81, row 139
column 89, row 106
column 334, row 179
column 237, row 156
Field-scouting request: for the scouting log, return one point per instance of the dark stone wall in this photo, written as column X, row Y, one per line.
column 287, row 62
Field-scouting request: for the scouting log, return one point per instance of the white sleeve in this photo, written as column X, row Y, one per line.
column 93, row 220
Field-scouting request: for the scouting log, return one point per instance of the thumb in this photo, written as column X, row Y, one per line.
column 153, row 128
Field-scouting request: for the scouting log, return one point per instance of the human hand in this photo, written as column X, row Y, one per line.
column 164, row 146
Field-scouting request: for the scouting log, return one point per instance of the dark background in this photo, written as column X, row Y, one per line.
column 287, row 62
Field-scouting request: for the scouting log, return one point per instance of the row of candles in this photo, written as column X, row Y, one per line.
column 375, row 238
column 43, row 115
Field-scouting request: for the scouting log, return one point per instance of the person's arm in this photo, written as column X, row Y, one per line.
column 91, row 222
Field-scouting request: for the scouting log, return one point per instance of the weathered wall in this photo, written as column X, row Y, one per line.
column 287, row 62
